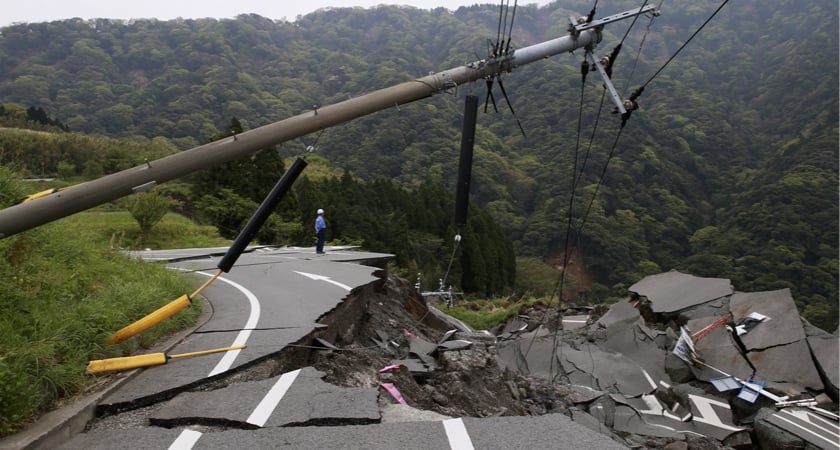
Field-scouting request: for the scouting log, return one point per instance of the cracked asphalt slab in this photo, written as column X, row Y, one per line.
column 266, row 318
column 718, row 352
column 550, row 431
column 777, row 347
column 674, row 291
column 812, row 428
column 623, row 354
column 307, row 401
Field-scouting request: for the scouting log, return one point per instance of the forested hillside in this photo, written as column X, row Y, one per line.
column 728, row 169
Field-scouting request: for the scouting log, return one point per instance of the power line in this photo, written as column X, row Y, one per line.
column 685, row 43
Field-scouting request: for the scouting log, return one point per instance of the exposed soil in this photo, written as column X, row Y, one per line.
column 575, row 271
column 468, row 383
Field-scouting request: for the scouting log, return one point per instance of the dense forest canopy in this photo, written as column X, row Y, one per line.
column 728, row 169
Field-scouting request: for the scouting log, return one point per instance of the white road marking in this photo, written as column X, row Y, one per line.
column 804, row 416
column 457, row 434
column 655, row 408
column 818, row 422
column 706, row 414
column 323, row 278
column 649, row 379
column 263, row 411
column 244, row 334
column 186, row 440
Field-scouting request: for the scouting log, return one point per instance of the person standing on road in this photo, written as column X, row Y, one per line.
column 320, row 232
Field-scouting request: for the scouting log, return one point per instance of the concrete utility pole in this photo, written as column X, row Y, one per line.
column 24, row 216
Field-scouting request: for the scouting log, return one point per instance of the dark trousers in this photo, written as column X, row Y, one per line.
column 322, row 236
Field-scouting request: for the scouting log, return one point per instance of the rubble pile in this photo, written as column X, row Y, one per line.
column 684, row 362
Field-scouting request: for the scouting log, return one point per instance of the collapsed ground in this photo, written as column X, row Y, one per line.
column 468, row 383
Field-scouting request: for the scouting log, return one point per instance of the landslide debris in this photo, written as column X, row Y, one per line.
column 374, row 329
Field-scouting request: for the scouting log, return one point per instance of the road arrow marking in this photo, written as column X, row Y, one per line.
column 323, row 278
column 706, row 412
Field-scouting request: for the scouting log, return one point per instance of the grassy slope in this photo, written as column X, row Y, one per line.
column 64, row 289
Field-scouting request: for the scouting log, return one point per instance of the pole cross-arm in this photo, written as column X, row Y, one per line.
column 581, row 26
column 607, row 82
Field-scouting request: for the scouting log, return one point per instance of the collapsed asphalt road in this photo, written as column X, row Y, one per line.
column 292, row 310
column 380, row 367
column 752, row 374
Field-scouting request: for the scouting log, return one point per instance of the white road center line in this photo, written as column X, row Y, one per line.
column 457, row 434
column 245, row 333
column 186, row 440
column 263, row 411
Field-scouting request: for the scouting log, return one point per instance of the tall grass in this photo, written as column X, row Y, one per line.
column 486, row 314
column 63, row 291
column 118, row 228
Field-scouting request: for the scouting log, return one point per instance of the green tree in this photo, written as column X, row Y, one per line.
column 148, row 208
column 66, row 169
column 92, row 170
column 228, row 195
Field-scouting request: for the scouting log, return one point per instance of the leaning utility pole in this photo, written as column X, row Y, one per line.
column 30, row 214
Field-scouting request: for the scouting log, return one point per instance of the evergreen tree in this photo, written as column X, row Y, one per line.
column 229, row 194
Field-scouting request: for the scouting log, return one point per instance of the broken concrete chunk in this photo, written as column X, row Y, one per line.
column 577, row 394
column 420, row 347
column 383, row 339
column 513, row 328
column 446, row 336
column 574, row 322
column 739, row 440
column 793, row 427
column 527, row 355
column 784, row 325
column 677, row 369
column 326, row 344
column 788, row 368
column 454, row 345
column 637, row 343
column 416, row 366
column 618, row 312
column 480, row 337
column 718, row 352
column 630, row 355
column 674, row 402
column 674, row 291
column 449, row 320
column 826, row 350
column 608, row 371
column 629, row 420
column 603, row 409
column 589, row 421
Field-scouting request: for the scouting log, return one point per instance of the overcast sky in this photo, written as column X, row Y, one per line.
column 48, row 10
